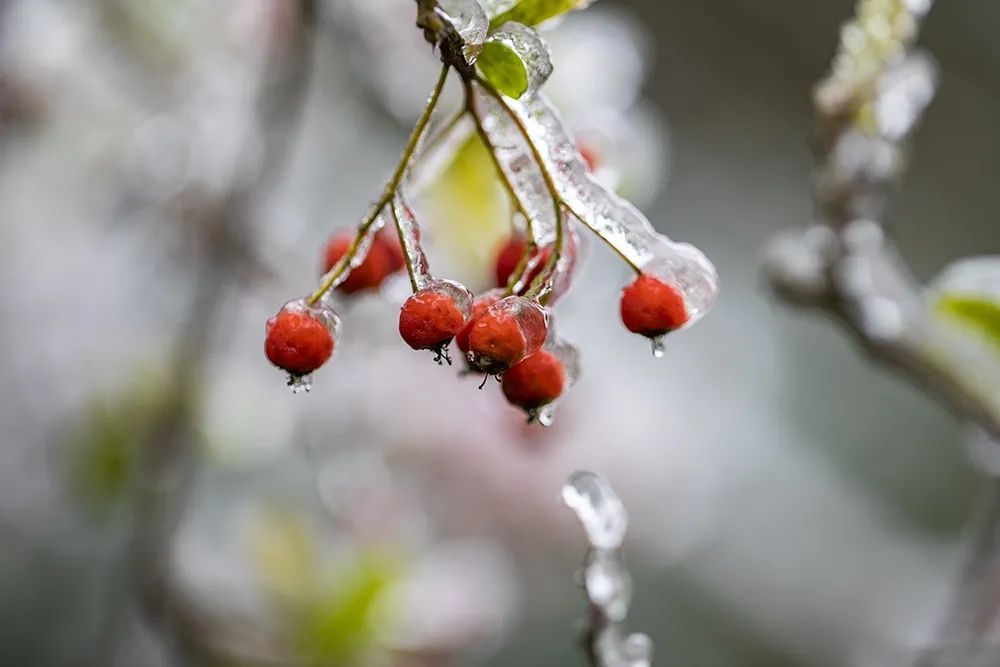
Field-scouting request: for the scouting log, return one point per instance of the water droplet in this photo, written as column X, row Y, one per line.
column 300, row 383
column 547, row 416
column 659, row 350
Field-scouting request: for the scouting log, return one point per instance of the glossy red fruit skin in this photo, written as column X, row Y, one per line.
column 651, row 307
column 389, row 239
column 479, row 306
column 535, row 381
column 297, row 342
column 509, row 256
column 429, row 320
column 504, row 335
column 369, row 274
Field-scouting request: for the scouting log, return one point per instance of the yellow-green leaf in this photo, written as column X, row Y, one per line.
column 503, row 68
column 975, row 312
column 533, row 12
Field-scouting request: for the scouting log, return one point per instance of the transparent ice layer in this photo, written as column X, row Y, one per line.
column 530, row 48
column 325, row 314
column 460, row 296
column 612, row 218
column 360, row 254
column 904, row 91
column 517, row 161
column 470, row 21
column 403, row 217
column 606, row 580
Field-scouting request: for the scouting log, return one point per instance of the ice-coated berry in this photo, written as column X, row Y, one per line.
column 535, row 381
column 377, row 265
column 509, row 256
column 434, row 315
column 505, row 333
column 652, row 308
column 479, row 306
column 300, row 338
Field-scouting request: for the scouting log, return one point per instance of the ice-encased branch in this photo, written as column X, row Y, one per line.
column 605, row 578
column 846, row 264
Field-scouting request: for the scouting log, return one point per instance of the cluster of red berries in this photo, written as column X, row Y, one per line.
column 498, row 332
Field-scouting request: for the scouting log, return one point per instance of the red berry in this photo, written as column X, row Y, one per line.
column 507, row 332
column 389, row 239
column 434, row 315
column 479, row 306
column 509, row 256
column 651, row 307
column 376, row 266
column 535, row 381
column 300, row 338
column 589, row 155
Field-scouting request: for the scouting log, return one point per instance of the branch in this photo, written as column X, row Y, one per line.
column 605, row 577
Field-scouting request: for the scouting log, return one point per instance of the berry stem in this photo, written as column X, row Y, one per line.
column 546, row 174
column 387, row 193
column 522, row 266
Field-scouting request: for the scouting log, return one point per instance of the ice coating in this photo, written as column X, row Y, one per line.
column 598, row 508
column 904, row 91
column 460, row 295
column 518, row 164
column 606, row 580
column 508, row 331
column 569, row 355
column 325, row 314
column 360, row 254
column 409, row 237
column 530, row 48
column 612, row 218
column 470, row 21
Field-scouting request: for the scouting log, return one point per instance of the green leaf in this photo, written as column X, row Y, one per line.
column 503, row 68
column 533, row 12
column 975, row 312
column 336, row 627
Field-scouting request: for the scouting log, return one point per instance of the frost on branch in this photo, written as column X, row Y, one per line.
column 614, row 219
column 606, row 580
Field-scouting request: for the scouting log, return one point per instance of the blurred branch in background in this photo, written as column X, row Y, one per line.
column 168, row 460
column 848, row 267
column 606, row 580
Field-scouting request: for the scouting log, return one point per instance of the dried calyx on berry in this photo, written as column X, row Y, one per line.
column 434, row 315
column 505, row 333
column 300, row 338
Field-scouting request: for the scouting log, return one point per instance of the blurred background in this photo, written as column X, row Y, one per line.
column 169, row 171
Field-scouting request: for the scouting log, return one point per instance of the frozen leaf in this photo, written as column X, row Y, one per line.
column 612, row 218
column 515, row 60
column 531, row 12
column 968, row 293
column 516, row 160
column 409, row 237
column 469, row 20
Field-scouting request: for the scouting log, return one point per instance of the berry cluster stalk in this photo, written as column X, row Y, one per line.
column 387, row 194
